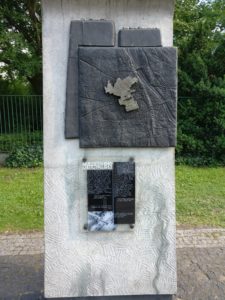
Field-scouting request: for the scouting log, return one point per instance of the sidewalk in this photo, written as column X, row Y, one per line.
column 33, row 243
column 200, row 265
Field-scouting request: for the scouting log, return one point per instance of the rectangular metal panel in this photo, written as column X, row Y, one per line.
column 124, row 192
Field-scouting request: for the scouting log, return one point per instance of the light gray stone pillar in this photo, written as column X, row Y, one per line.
column 141, row 261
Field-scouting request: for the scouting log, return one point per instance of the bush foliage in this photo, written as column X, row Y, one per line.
column 199, row 29
column 9, row 142
column 25, row 157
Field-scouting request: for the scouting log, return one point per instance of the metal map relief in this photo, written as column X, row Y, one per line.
column 122, row 89
column 111, row 197
column 127, row 97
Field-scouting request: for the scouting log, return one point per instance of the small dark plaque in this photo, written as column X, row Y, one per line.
column 124, row 192
column 99, row 190
column 140, row 37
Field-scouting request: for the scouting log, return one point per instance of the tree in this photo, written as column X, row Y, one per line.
column 20, row 42
column 200, row 36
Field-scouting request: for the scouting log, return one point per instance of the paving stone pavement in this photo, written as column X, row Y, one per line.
column 200, row 265
column 201, row 238
column 33, row 243
column 22, row 244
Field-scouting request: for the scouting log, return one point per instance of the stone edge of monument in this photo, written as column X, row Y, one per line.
column 133, row 297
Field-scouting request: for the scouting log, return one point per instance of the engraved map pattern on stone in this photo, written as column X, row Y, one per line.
column 105, row 259
column 102, row 121
column 122, row 89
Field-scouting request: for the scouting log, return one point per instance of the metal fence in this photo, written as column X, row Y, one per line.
column 21, row 121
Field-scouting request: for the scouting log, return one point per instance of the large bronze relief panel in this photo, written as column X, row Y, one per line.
column 127, row 96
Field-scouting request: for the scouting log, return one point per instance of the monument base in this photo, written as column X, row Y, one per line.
column 139, row 297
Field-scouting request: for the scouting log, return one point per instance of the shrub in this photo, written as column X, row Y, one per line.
column 25, row 157
column 11, row 141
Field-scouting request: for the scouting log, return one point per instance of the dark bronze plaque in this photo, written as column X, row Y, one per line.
column 127, row 97
column 99, row 190
column 124, row 192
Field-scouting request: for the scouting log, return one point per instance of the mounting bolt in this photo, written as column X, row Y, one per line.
column 131, row 159
column 85, row 227
column 131, row 226
column 84, row 159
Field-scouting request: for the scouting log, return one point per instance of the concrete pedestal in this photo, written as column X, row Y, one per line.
column 141, row 261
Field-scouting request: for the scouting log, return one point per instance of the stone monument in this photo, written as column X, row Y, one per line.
column 110, row 92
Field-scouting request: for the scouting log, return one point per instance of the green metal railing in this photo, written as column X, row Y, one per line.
column 21, row 121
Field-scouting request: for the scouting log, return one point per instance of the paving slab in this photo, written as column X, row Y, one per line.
column 200, row 265
column 33, row 243
column 201, row 275
column 21, row 277
column 21, row 244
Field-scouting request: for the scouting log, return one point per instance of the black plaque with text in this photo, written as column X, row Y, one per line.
column 99, row 183
column 124, row 192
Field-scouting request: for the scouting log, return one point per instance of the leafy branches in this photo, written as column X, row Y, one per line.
column 200, row 36
column 20, row 41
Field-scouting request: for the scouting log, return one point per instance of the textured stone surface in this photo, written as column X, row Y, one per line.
column 85, row 33
column 140, row 37
column 65, row 240
column 147, row 253
column 103, row 123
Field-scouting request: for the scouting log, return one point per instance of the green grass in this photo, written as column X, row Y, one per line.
column 200, row 198
column 21, row 199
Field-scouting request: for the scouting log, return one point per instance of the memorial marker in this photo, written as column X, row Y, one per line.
column 110, row 106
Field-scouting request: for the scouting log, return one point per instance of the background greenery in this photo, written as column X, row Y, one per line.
column 199, row 34
column 19, row 140
column 25, row 157
column 20, row 44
